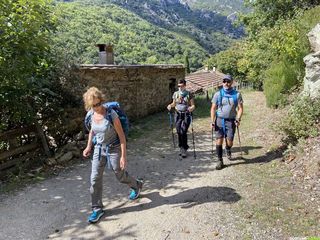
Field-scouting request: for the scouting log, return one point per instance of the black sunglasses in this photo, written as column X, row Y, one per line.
column 226, row 81
column 97, row 104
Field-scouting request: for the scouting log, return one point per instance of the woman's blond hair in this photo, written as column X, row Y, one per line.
column 91, row 94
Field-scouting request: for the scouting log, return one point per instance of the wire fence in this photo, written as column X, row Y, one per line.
column 245, row 85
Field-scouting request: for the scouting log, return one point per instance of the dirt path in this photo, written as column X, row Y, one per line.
column 253, row 198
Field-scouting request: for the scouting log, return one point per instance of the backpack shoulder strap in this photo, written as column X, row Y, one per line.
column 188, row 97
column 234, row 95
column 108, row 116
column 109, row 107
column 221, row 95
column 175, row 95
column 88, row 120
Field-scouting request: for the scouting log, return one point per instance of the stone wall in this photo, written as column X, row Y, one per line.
column 140, row 89
column 312, row 61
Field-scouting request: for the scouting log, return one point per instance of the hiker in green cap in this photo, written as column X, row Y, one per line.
column 226, row 113
column 183, row 103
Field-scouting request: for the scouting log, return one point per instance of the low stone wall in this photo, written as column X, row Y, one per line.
column 140, row 89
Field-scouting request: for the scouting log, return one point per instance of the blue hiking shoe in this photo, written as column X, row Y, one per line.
column 95, row 216
column 135, row 193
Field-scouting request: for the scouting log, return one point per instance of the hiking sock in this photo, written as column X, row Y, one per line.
column 219, row 151
column 228, row 152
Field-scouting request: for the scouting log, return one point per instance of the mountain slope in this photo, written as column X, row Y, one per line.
column 225, row 7
column 134, row 39
column 213, row 31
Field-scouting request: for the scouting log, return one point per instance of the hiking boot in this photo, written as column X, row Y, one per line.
column 95, row 216
column 220, row 164
column 135, row 193
column 184, row 153
column 228, row 153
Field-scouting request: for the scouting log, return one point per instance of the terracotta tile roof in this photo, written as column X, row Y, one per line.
column 201, row 81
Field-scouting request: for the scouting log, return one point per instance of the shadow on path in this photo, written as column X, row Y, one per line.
column 265, row 158
column 185, row 199
column 238, row 160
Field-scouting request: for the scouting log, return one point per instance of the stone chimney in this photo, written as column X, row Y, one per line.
column 110, row 55
column 105, row 54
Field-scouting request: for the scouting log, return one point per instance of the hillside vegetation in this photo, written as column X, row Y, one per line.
column 25, row 60
column 43, row 39
column 225, row 7
column 211, row 30
column 135, row 40
column 271, row 57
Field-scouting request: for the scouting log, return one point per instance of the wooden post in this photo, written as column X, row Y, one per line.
column 43, row 139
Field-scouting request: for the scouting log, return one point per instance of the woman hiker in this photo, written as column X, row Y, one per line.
column 183, row 102
column 108, row 141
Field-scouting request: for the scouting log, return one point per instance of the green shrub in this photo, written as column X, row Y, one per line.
column 203, row 104
column 302, row 119
column 279, row 80
column 24, row 57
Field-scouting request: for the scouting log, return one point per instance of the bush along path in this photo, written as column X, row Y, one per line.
column 254, row 197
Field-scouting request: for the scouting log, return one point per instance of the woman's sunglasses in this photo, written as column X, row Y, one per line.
column 97, row 104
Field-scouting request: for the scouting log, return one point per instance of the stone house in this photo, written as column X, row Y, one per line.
column 140, row 89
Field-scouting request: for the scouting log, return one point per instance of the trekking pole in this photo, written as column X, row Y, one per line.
column 212, row 140
column 171, row 126
column 194, row 147
column 238, row 131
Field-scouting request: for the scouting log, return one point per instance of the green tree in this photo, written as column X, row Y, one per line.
column 187, row 64
column 264, row 57
column 227, row 61
column 266, row 13
column 25, row 27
